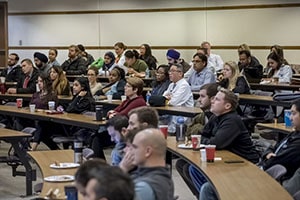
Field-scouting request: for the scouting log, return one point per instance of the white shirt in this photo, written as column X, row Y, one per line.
column 121, row 63
column 181, row 94
column 215, row 62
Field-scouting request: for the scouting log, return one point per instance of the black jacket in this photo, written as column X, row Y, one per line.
column 14, row 75
column 228, row 132
column 242, row 87
column 75, row 67
column 288, row 155
column 31, row 86
column 120, row 89
column 80, row 104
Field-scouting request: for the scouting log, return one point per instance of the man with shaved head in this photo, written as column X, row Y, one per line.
column 153, row 180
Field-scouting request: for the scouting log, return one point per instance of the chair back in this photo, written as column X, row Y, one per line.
column 277, row 171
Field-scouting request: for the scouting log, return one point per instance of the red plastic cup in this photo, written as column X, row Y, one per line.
column 196, row 141
column 19, row 103
column 210, row 153
column 164, row 130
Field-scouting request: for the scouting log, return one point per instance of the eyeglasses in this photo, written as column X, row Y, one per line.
column 172, row 71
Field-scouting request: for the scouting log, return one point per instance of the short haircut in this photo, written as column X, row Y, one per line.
column 296, row 103
column 230, row 97
column 244, row 47
column 85, row 171
column 246, row 52
column 211, row 89
column 202, row 57
column 75, row 47
column 147, row 115
column 28, row 61
column 17, row 58
column 204, row 43
column 118, row 122
column 178, row 66
column 136, row 83
column 95, row 69
column 114, row 184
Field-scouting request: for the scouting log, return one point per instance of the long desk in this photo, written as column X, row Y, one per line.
column 44, row 159
column 27, row 97
column 79, row 120
column 233, row 181
column 15, row 137
column 279, row 127
column 262, row 100
column 272, row 87
column 162, row 110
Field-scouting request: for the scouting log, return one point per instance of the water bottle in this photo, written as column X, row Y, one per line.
column 147, row 73
column 99, row 113
column 71, row 192
column 148, row 95
column 78, row 151
column 180, row 129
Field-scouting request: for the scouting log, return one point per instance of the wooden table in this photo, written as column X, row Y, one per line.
column 79, row 120
column 15, row 137
column 279, row 127
column 162, row 110
column 272, row 86
column 233, row 181
column 27, row 97
column 253, row 99
column 44, row 159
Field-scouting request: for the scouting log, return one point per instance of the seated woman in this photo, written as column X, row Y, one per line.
column 92, row 74
column 108, row 64
column 146, row 55
column 133, row 92
column 116, row 84
column 136, row 67
column 41, row 99
column 82, row 97
column 52, row 57
column 278, row 69
column 60, row 83
column 161, row 84
column 233, row 80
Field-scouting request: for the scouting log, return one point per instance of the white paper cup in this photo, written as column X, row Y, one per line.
column 2, row 79
column 51, row 105
column 123, row 97
column 32, row 108
column 109, row 98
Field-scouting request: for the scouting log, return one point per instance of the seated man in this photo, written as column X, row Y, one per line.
column 173, row 57
column 226, row 130
column 41, row 62
column 250, row 68
column 96, row 180
column 142, row 117
column 153, row 180
column 214, row 61
column 13, row 72
column 27, row 83
column 75, row 65
column 201, row 74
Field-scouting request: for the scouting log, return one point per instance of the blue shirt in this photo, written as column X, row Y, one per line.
column 197, row 79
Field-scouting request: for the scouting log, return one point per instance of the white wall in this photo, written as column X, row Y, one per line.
column 221, row 27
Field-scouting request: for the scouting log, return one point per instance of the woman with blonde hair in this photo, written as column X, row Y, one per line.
column 60, row 82
column 233, row 79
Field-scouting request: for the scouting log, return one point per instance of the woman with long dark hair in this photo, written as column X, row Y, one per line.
column 146, row 55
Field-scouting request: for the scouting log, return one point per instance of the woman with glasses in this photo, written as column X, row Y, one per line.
column 92, row 76
column 161, row 84
column 146, row 55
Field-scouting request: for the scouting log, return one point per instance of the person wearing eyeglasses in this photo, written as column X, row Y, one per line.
column 162, row 81
column 201, row 75
column 92, row 76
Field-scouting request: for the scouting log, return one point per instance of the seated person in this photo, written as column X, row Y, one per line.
column 243, row 47
column 278, row 69
column 146, row 55
column 97, row 180
column 133, row 92
column 92, row 74
column 153, row 179
column 226, row 130
column 108, row 63
column 179, row 91
column 201, row 74
column 116, row 84
column 162, row 81
column 13, row 72
column 116, row 128
column 252, row 70
column 27, row 83
column 60, row 83
column 89, row 59
column 136, row 67
column 41, row 99
column 82, row 98
column 52, row 54
column 41, row 62
column 75, row 65
column 233, row 80
column 173, row 57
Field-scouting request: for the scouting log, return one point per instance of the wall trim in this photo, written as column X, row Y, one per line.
column 212, row 8
column 152, row 47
